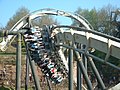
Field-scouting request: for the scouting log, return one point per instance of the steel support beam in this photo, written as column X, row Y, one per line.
column 95, row 71
column 94, row 57
column 34, row 73
column 83, row 70
column 18, row 63
column 70, row 62
column 79, row 77
column 27, row 73
column 33, row 68
column 85, row 61
column 48, row 83
column 79, row 73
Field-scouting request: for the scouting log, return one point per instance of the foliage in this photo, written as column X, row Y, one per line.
column 38, row 21
column 104, row 19
column 44, row 20
column 5, row 88
column 99, row 19
column 16, row 17
column 90, row 15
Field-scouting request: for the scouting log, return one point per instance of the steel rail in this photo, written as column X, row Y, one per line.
column 90, row 31
column 88, row 54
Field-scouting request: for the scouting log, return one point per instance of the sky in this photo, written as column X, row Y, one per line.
column 9, row 7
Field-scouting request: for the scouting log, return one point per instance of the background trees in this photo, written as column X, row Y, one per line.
column 38, row 21
column 16, row 17
column 48, row 20
column 98, row 18
column 101, row 21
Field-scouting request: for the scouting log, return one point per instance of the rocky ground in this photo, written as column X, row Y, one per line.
column 8, row 63
column 10, row 77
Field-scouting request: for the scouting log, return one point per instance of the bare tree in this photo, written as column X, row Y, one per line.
column 44, row 20
column 17, row 16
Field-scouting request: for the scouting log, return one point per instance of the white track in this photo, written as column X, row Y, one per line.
column 100, row 43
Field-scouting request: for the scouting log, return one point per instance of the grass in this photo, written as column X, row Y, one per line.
column 6, row 88
column 8, row 58
column 9, row 88
column 1, row 40
column 10, row 53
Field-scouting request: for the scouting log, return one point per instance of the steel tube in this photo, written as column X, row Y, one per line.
column 99, row 79
column 83, row 70
column 94, row 57
column 70, row 62
column 85, row 61
column 4, row 33
column 18, row 63
column 48, row 83
column 34, row 73
column 33, row 68
column 79, row 73
column 79, row 79
column 27, row 73
column 89, row 31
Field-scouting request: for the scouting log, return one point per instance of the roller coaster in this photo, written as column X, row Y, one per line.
column 54, row 48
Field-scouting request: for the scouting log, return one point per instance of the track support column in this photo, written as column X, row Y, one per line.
column 27, row 73
column 70, row 62
column 33, row 68
column 79, row 73
column 83, row 70
column 79, row 77
column 18, row 63
column 48, row 83
column 99, row 79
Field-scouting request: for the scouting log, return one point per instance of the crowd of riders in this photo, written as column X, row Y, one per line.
column 40, row 48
